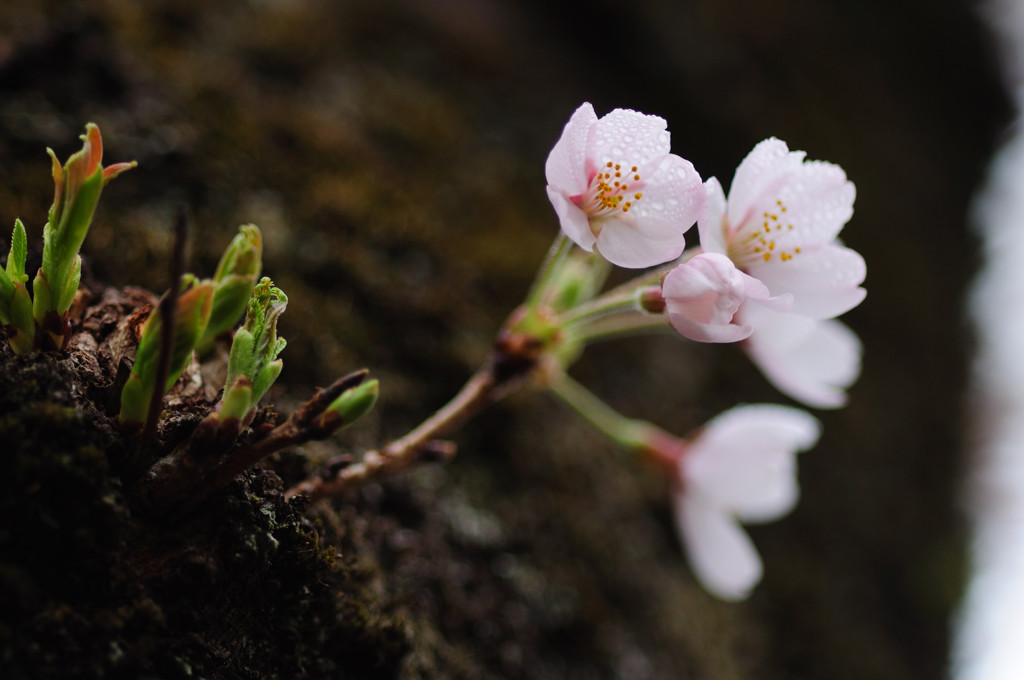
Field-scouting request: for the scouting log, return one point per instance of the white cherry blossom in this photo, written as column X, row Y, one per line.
column 618, row 190
column 780, row 225
column 740, row 468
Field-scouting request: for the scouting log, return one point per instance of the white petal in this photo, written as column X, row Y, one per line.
column 745, row 459
column 651, row 232
column 801, row 204
column 709, row 225
column 622, row 244
column 818, row 200
column 766, row 168
column 672, row 197
column 566, row 164
column 627, row 137
column 825, row 282
column 573, row 220
column 721, row 554
column 810, row 360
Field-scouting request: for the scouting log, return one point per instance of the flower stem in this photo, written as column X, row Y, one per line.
column 605, row 305
column 618, row 326
column 556, row 256
column 630, row 433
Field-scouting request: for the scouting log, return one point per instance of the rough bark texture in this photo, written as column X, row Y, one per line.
column 393, row 154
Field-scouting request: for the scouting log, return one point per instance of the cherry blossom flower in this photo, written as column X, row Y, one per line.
column 740, row 468
column 811, row 360
column 617, row 189
column 780, row 226
column 703, row 295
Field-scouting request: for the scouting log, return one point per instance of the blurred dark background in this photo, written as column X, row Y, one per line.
column 393, row 154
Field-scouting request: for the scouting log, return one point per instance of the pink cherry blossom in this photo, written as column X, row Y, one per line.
column 617, row 189
column 780, row 225
column 704, row 294
column 811, row 360
column 740, row 468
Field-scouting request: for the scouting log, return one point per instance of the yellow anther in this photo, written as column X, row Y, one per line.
column 634, row 169
column 767, row 256
column 638, row 195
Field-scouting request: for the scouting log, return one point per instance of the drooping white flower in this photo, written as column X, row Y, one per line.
column 812, row 360
column 780, row 225
column 704, row 295
column 617, row 189
column 740, row 468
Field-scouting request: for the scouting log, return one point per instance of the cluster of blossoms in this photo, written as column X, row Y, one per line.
column 769, row 272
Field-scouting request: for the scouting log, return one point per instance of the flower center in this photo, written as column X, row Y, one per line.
column 754, row 242
column 609, row 193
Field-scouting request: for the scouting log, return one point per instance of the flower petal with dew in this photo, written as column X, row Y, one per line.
column 812, row 360
column 741, row 467
column 617, row 189
column 703, row 295
column 780, row 225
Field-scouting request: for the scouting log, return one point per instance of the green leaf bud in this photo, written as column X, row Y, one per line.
column 236, row 275
column 193, row 312
column 355, row 403
column 77, row 188
column 255, row 347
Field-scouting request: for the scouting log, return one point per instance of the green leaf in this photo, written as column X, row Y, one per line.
column 18, row 255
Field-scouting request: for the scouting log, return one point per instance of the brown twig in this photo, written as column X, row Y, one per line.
column 168, row 306
column 510, row 364
column 184, row 481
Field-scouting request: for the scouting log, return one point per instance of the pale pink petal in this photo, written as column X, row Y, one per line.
column 806, row 207
column 671, row 197
column 745, row 459
column 825, row 282
column 628, row 138
column 566, row 164
column 765, row 169
column 573, row 220
column 813, row 361
column 709, row 225
column 720, row 552
column 622, row 244
column 703, row 294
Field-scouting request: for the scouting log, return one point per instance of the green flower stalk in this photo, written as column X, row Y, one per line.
column 15, row 303
column 193, row 313
column 77, row 188
column 253, row 365
column 236, row 275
